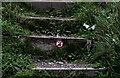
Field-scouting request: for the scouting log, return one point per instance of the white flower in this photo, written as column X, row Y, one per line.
column 108, row 17
column 86, row 26
column 21, row 9
column 113, row 40
column 93, row 27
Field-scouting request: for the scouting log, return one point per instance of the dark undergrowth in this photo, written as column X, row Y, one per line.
column 18, row 55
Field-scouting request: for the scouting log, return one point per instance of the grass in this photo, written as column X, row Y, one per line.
column 16, row 53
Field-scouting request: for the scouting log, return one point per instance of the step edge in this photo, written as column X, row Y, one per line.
column 88, row 69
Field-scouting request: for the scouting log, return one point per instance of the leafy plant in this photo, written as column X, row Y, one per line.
column 105, row 53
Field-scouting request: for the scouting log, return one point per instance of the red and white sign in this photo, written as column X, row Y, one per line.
column 59, row 44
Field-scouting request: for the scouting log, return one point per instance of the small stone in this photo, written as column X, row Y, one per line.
column 60, row 62
column 74, row 64
column 54, row 65
column 70, row 64
column 51, row 16
column 42, row 64
column 50, row 63
column 54, row 61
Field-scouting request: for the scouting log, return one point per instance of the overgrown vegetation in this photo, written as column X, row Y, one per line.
column 17, row 54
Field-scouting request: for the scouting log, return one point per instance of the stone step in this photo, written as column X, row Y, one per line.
column 52, row 5
column 57, row 37
column 81, row 69
column 48, row 18
column 58, row 65
column 49, row 42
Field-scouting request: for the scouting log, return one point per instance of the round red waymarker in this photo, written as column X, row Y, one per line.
column 59, row 44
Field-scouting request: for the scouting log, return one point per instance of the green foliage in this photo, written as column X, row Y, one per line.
column 72, row 51
column 24, row 73
column 14, row 45
column 105, row 53
column 54, row 74
column 10, row 29
column 12, row 58
column 13, row 63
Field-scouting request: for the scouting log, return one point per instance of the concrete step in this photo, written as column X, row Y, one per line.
column 80, row 69
column 48, row 18
column 58, row 65
column 49, row 42
column 57, row 37
column 52, row 5
column 62, row 68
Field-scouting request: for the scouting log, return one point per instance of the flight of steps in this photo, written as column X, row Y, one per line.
column 48, row 43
